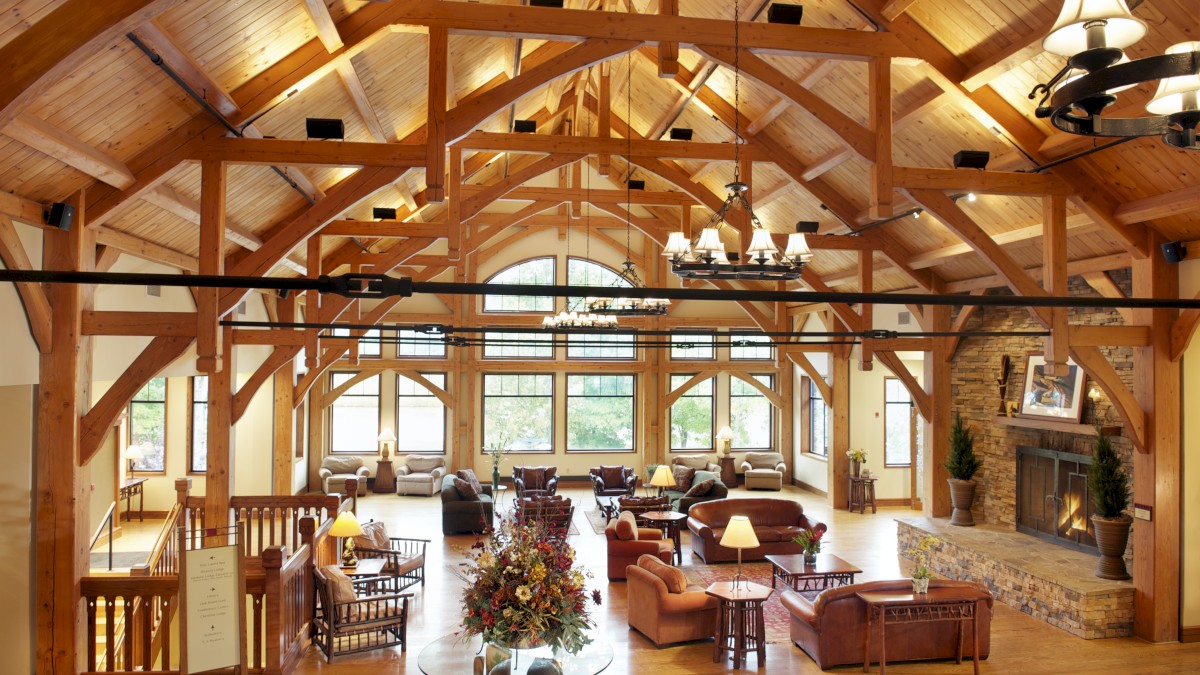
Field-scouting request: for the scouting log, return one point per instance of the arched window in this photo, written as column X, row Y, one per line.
column 583, row 272
column 538, row 271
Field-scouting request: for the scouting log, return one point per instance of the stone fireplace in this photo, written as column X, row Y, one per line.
column 1052, row 497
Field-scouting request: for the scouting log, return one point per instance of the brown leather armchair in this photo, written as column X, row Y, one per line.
column 535, row 481
column 613, row 481
column 627, row 541
column 830, row 627
column 776, row 522
column 664, row 608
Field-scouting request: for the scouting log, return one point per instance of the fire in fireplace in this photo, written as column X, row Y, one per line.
column 1052, row 497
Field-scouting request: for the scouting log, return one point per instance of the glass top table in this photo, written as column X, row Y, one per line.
column 452, row 654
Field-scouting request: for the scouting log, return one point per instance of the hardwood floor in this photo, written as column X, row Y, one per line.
column 1020, row 644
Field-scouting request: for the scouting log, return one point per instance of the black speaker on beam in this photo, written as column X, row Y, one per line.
column 60, row 215
column 383, row 213
column 781, row 13
column 808, row 226
column 1174, row 251
column 546, row 3
column 681, row 134
column 322, row 128
column 524, row 126
column 637, row 185
column 971, row 159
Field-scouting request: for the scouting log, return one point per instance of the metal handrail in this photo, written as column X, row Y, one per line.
column 108, row 519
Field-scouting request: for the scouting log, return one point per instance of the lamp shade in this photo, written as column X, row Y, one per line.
column 761, row 245
column 346, row 525
column 1176, row 94
column 1069, row 36
column 739, row 533
column 134, row 452
column 663, row 477
column 677, row 245
column 386, row 436
column 709, row 241
column 797, row 248
column 725, row 434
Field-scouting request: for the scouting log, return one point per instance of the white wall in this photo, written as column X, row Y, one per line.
column 1189, row 286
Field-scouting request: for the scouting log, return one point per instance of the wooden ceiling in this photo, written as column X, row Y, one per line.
column 103, row 116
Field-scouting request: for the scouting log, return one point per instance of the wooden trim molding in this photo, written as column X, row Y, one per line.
column 1189, row 634
column 805, row 486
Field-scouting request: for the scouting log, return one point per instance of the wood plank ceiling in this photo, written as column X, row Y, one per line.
column 118, row 111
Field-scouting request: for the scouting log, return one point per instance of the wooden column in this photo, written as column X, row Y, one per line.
column 1156, row 471
column 936, row 498
column 866, row 283
column 285, row 425
column 218, row 479
column 1054, row 279
column 212, row 262
column 604, row 116
column 60, row 484
column 879, row 82
column 668, row 52
column 839, row 492
column 435, row 156
column 454, row 224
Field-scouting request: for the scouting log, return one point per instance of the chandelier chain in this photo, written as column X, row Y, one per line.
column 737, row 131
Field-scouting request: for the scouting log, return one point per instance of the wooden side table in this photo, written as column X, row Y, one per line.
column 670, row 523
column 740, row 627
column 728, row 471
column 385, row 477
column 131, row 487
column 862, row 493
column 939, row 604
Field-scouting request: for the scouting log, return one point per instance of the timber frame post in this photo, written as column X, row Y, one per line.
column 839, row 488
column 936, row 497
column 218, row 479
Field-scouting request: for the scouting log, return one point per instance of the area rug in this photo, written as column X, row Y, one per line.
column 776, row 619
column 596, row 520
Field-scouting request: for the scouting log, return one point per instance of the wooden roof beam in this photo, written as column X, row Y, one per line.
column 359, row 99
column 58, row 144
column 548, row 143
column 983, row 182
column 1175, row 203
column 332, row 153
column 327, row 30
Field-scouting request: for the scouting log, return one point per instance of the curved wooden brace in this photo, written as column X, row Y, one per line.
column 33, row 297
column 775, row 399
column 441, row 394
column 279, row 357
column 682, row 389
column 472, row 205
column 1098, row 368
column 1182, row 331
column 920, row 397
column 93, row 427
column 336, row 393
column 960, row 323
column 807, row 366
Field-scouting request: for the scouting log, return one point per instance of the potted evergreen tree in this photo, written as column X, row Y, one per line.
column 962, row 465
column 1109, row 487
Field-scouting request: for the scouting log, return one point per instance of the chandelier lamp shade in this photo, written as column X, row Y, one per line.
column 1093, row 35
column 621, row 306
column 579, row 320
column 707, row 258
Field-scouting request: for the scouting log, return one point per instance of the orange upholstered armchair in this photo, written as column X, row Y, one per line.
column 664, row 608
column 627, row 541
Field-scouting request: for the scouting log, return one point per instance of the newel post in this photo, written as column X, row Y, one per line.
column 352, row 493
column 275, row 603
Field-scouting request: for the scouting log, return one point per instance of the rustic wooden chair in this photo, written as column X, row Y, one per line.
column 345, row 623
column 554, row 514
column 404, row 557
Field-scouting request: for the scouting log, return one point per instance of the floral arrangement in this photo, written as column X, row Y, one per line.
column 522, row 591
column 811, row 541
column 857, row 455
column 920, row 554
column 498, row 449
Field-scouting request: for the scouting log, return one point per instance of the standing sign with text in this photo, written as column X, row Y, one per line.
column 213, row 616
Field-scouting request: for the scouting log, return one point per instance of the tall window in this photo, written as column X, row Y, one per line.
column 750, row 414
column 354, row 416
column 897, row 423
column 198, row 452
column 819, row 423
column 692, row 346
column 368, row 344
column 599, row 412
column 148, row 425
column 519, row 409
column 598, row 346
column 518, row 346
column 420, row 415
column 537, row 271
column 416, row 343
column 692, row 416
column 750, row 347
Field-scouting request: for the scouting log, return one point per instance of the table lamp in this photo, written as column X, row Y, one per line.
column 346, row 526
column 662, row 478
column 385, row 437
column 133, row 453
column 725, row 435
column 739, row 534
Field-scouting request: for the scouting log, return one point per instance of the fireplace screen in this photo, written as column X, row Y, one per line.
column 1052, row 497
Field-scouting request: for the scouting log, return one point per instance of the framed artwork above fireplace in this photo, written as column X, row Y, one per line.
column 1054, row 397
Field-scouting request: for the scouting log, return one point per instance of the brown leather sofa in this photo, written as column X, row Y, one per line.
column 830, row 627
column 627, row 541
column 775, row 521
column 664, row 608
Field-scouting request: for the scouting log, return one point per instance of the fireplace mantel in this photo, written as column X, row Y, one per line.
column 1056, row 425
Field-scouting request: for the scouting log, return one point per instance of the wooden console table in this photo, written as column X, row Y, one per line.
column 939, row 604
column 131, row 487
column 862, row 493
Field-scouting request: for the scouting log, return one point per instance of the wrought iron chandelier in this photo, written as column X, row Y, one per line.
column 706, row 258
column 566, row 319
column 1093, row 35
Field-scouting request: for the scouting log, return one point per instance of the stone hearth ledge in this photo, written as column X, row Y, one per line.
column 1052, row 583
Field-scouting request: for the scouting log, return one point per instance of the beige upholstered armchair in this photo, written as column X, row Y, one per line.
column 336, row 469
column 420, row 475
column 697, row 462
column 764, row 470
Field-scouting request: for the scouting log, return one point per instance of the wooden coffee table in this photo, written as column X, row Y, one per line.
column 669, row 522
column 828, row 572
column 609, row 507
column 740, row 626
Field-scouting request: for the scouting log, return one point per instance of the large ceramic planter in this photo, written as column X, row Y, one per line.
column 1112, row 534
column 962, row 495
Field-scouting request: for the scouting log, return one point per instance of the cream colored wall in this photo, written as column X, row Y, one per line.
column 16, row 529
column 867, row 428
column 812, row 470
column 1189, row 286
column 104, row 484
column 20, row 361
